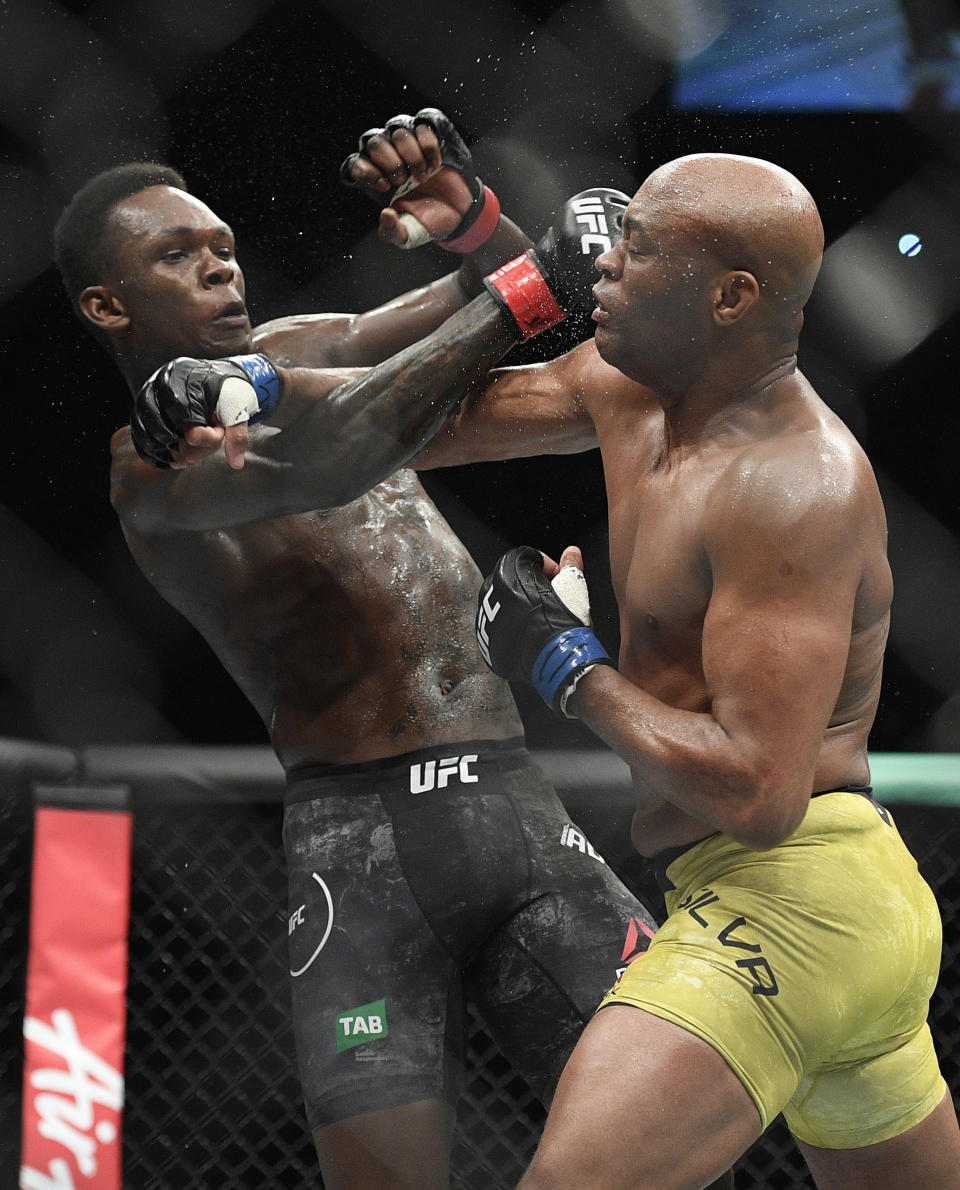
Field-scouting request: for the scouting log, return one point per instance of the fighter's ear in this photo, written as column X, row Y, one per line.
column 103, row 309
column 737, row 292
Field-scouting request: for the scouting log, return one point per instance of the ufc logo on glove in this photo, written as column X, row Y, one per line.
column 543, row 635
column 592, row 213
column 486, row 615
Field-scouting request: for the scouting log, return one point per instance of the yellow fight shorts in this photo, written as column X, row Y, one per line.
column 809, row 968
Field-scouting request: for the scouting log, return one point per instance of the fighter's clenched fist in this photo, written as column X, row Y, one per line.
column 190, row 393
column 420, row 167
column 531, row 629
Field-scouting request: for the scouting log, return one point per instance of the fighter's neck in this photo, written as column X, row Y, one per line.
column 713, row 402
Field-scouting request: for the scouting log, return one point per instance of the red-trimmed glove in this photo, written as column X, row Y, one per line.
column 479, row 222
column 547, row 283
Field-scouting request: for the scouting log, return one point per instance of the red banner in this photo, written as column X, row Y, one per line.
column 75, row 1016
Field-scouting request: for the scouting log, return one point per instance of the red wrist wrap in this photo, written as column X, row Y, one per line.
column 525, row 293
column 481, row 229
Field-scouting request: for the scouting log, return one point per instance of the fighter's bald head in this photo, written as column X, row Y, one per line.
column 749, row 213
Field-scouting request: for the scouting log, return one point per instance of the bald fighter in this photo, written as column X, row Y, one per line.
column 748, row 555
column 428, row 859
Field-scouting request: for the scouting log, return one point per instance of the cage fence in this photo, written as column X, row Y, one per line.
column 211, row 1091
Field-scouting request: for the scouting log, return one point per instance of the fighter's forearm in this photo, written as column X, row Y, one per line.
column 688, row 759
column 340, row 443
column 324, row 444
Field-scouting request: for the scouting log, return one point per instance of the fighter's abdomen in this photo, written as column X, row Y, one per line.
column 351, row 630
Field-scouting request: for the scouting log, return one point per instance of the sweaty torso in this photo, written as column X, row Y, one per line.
column 663, row 580
column 350, row 630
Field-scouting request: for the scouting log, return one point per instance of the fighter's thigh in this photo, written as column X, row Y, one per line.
column 926, row 1155
column 720, row 968
column 856, row 1102
column 642, row 1104
column 882, row 1077
column 372, row 990
column 539, row 979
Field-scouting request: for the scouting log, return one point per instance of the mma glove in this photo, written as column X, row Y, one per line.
column 528, row 633
column 554, row 280
column 200, row 392
column 479, row 222
column 586, row 226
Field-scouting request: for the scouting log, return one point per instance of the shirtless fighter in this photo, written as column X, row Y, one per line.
column 425, row 850
column 748, row 553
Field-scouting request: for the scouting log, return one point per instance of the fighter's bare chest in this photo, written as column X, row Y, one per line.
column 391, row 544
column 660, row 564
column 391, row 540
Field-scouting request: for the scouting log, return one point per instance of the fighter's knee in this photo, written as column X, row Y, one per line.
column 533, row 1179
column 549, row 1173
column 578, row 1172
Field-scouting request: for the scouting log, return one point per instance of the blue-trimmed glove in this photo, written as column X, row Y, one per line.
column 199, row 392
column 527, row 633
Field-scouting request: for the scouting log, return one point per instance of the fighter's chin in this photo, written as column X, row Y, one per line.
column 613, row 352
column 606, row 344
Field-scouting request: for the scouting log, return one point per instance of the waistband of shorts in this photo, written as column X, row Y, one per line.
column 390, row 771
column 660, row 862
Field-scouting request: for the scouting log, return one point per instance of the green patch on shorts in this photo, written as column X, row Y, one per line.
column 357, row 1026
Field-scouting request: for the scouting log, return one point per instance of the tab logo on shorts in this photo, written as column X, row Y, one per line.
column 590, row 213
column 436, row 774
column 357, row 1026
column 574, row 837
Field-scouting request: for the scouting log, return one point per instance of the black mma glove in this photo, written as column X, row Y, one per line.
column 528, row 633
column 554, row 280
column 586, row 226
column 198, row 392
column 480, row 221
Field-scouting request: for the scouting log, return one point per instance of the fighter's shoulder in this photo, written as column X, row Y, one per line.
column 137, row 491
column 302, row 340
column 125, row 465
column 803, row 479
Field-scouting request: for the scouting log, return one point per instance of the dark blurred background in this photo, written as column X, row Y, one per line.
column 257, row 102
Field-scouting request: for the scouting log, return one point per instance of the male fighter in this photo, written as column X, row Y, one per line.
column 748, row 552
column 425, row 851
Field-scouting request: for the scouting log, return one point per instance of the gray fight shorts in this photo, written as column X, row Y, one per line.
column 424, row 880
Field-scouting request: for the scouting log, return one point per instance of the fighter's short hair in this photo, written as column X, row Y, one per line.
column 80, row 240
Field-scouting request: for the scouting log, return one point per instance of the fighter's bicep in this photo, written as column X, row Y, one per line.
column 777, row 631
column 305, row 340
column 776, row 666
